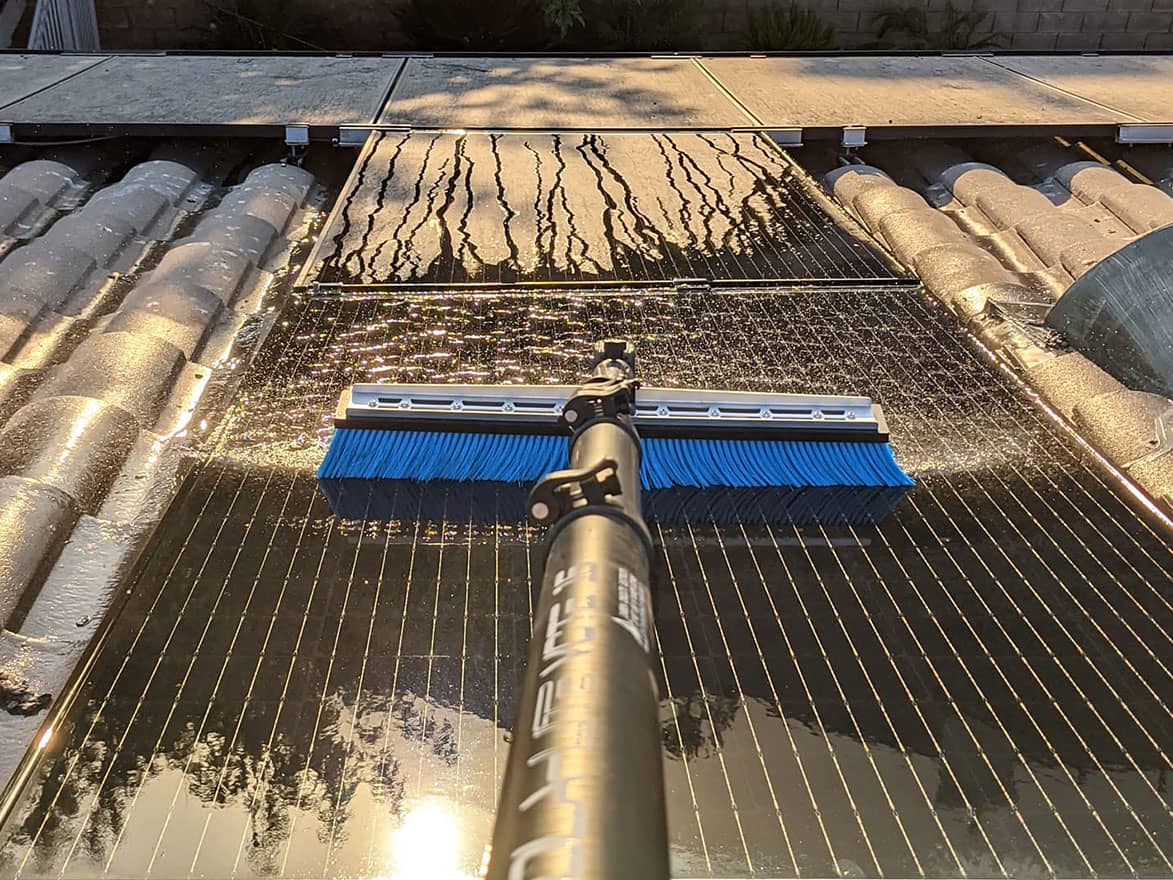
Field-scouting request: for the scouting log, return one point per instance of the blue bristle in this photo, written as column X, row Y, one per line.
column 369, row 454
column 744, row 463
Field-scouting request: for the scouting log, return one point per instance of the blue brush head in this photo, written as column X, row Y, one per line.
column 371, row 453
column 449, row 501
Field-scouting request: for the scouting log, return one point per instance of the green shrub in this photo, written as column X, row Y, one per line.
column 781, row 28
column 477, row 25
column 910, row 28
column 639, row 25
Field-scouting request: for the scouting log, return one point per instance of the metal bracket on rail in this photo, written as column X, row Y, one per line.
column 854, row 136
column 1144, row 133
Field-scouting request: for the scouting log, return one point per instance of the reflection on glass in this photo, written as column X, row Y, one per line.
column 427, row 845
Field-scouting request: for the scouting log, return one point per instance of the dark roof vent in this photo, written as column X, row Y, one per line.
column 1120, row 313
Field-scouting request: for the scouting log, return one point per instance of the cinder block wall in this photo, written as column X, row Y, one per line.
column 1026, row 25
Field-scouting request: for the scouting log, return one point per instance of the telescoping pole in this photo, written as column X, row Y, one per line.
column 583, row 795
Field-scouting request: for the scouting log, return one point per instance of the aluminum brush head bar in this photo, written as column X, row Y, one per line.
column 681, row 413
column 689, row 438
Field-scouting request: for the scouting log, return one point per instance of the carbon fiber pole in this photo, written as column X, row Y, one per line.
column 583, row 795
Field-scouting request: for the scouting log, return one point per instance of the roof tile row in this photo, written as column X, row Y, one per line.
column 75, row 410
column 992, row 246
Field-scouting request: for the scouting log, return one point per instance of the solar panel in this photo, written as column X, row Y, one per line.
column 972, row 687
column 451, row 209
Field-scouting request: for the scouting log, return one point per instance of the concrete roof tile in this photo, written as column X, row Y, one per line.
column 950, row 268
column 848, row 182
column 74, row 444
column 35, row 522
column 236, row 233
column 874, row 204
column 1008, row 207
column 1051, row 233
column 47, row 270
column 170, row 179
column 1142, row 207
column 16, row 206
column 101, row 234
column 909, row 233
column 272, row 206
column 288, row 179
column 43, row 178
column 203, row 264
column 968, row 180
column 176, row 313
column 129, row 370
column 138, row 205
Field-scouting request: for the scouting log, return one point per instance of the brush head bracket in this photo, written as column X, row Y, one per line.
column 599, row 398
column 560, row 492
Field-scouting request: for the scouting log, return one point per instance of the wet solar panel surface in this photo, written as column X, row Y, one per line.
column 544, row 208
column 973, row 687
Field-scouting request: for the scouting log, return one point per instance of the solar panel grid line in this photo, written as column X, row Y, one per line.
column 1055, row 755
column 704, row 696
column 943, row 687
column 464, row 669
column 431, row 651
column 699, row 248
column 735, row 230
column 385, row 747
column 1082, row 609
column 742, row 701
column 914, row 704
column 304, row 775
column 1053, row 452
column 75, row 759
column 1042, row 791
column 846, row 253
column 215, row 688
column 864, row 669
column 823, row 258
column 222, row 774
column 961, row 615
column 777, row 705
column 141, row 699
column 862, row 783
column 1075, row 731
column 679, row 740
column 721, row 342
column 964, row 692
column 585, row 208
column 266, row 753
column 1112, row 547
column 1061, row 583
column 354, row 717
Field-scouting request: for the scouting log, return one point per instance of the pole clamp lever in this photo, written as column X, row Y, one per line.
column 560, row 492
column 599, row 398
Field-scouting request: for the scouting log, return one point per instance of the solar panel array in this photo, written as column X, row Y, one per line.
column 973, row 687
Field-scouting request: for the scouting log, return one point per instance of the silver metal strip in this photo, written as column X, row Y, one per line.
column 1144, row 134
column 654, row 406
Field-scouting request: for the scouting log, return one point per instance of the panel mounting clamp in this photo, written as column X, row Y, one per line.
column 297, row 134
column 786, row 137
column 854, row 136
column 6, row 136
column 352, row 136
column 1144, row 133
